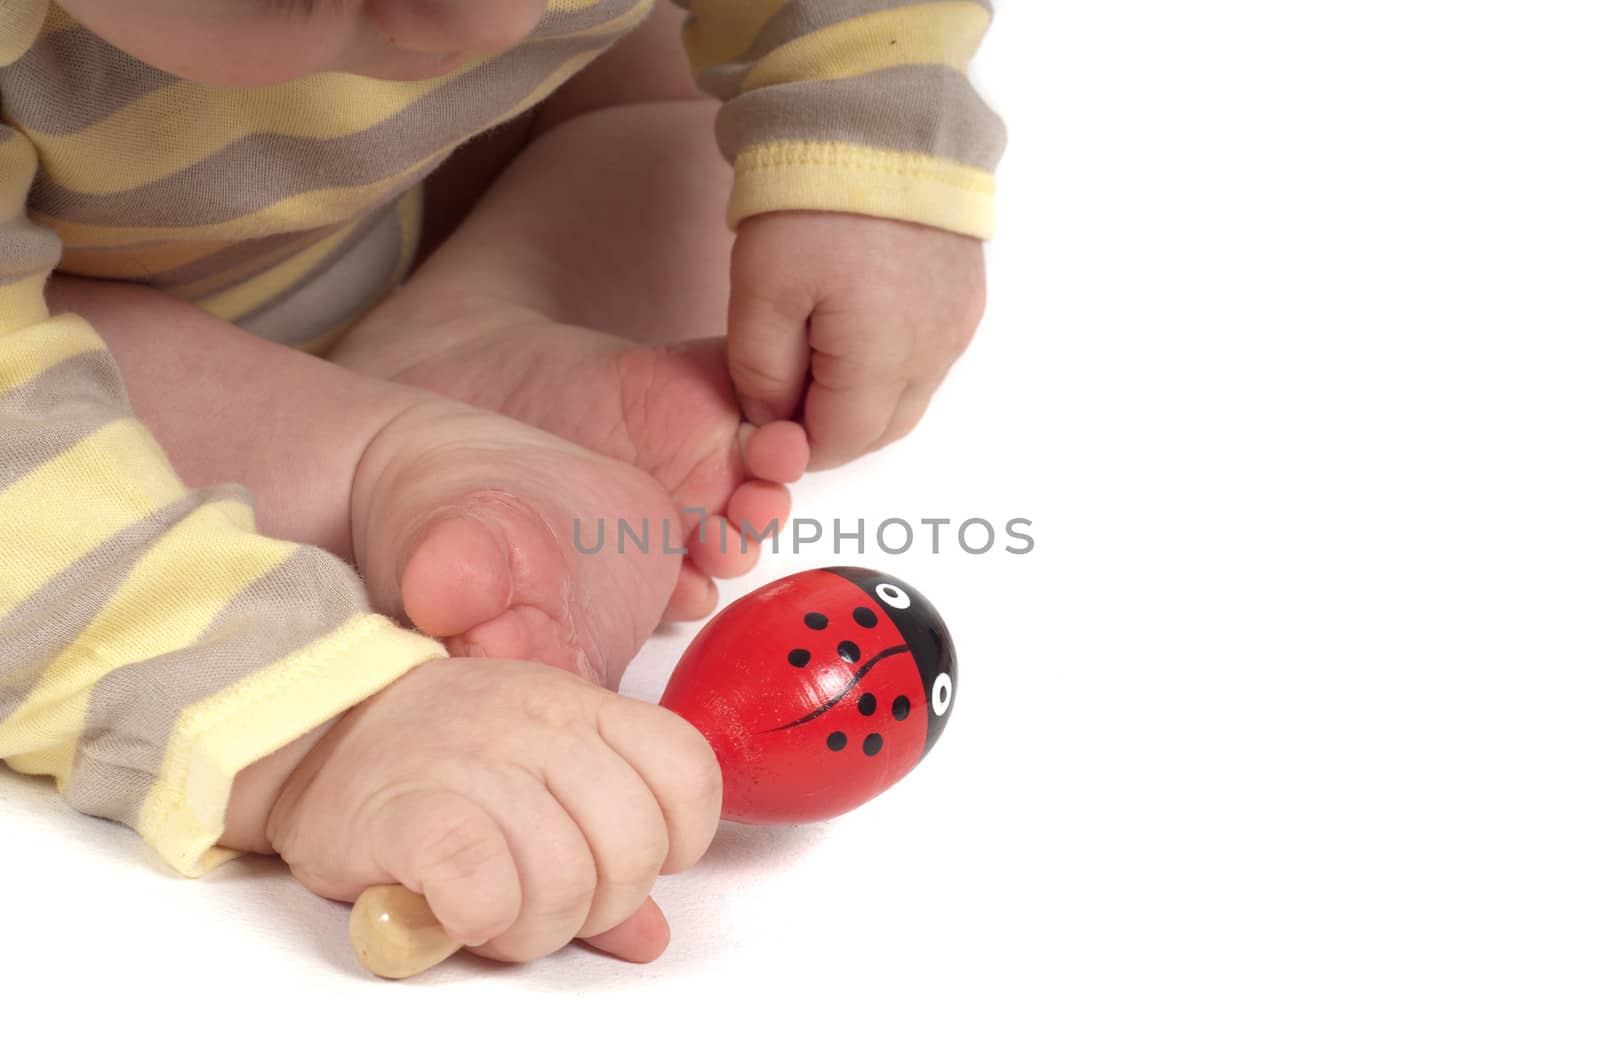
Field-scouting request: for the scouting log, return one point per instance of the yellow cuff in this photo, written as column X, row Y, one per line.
column 809, row 175
column 215, row 740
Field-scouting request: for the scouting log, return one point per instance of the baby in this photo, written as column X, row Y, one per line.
column 413, row 278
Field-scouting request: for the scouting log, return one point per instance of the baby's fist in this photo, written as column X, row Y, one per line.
column 851, row 319
column 528, row 806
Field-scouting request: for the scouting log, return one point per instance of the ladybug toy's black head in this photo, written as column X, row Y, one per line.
column 925, row 634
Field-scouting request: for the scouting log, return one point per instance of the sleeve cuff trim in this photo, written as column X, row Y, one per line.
column 807, row 175
column 183, row 816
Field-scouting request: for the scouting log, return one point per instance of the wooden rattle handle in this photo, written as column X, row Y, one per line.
column 395, row 934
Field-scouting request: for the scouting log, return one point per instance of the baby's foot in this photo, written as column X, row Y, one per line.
column 482, row 531
column 669, row 411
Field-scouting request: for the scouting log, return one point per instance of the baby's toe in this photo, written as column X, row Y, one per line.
column 457, row 577
column 694, row 597
column 758, row 508
column 524, row 633
column 778, row 452
column 720, row 551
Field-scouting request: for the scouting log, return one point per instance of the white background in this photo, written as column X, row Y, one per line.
column 1281, row 745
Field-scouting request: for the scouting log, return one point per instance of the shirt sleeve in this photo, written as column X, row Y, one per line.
column 862, row 106
column 152, row 645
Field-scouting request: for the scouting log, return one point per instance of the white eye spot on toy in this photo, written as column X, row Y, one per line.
column 944, row 692
column 894, row 596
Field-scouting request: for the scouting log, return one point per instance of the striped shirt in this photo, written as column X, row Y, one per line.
column 152, row 644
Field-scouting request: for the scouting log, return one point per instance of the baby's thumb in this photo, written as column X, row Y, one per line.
column 640, row 938
column 769, row 354
column 445, row 847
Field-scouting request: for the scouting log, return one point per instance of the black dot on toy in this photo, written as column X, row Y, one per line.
column 865, row 617
column 799, row 658
column 901, row 707
column 868, row 704
column 849, row 652
column 871, row 744
column 836, row 741
column 816, row 621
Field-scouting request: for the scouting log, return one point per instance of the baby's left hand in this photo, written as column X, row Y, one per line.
column 876, row 310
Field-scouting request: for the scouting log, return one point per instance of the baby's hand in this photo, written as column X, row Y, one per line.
column 528, row 806
column 890, row 306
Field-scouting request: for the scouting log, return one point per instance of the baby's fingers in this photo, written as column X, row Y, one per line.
column 769, row 352
column 846, row 418
column 451, row 851
column 621, row 821
column 913, row 404
column 677, row 763
column 557, row 868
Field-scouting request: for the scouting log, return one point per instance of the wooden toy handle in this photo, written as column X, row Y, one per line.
column 395, row 934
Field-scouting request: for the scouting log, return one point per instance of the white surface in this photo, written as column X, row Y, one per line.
column 1280, row 745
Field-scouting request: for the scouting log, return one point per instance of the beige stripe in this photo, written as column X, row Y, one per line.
column 249, row 174
column 53, row 618
column 132, row 710
column 723, row 81
column 335, row 293
column 314, row 209
column 56, row 410
column 197, row 279
column 930, row 110
column 25, row 249
column 797, row 20
column 70, row 80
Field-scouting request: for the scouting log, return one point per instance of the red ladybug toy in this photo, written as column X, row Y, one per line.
column 818, row 692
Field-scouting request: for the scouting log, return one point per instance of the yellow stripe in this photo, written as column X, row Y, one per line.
column 22, row 301
column 324, row 345
column 18, row 164
column 946, row 33
column 723, row 30
column 217, row 738
column 26, row 353
column 234, row 303
column 409, row 209
column 637, row 13
column 800, row 175
column 171, row 596
column 208, row 119
column 20, row 23
column 57, row 19
column 77, row 500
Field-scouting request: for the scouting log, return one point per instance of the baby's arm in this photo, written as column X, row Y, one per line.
column 444, row 802
column 863, row 182
column 230, row 407
column 152, row 644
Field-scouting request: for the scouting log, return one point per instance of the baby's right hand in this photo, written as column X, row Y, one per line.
column 528, row 806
